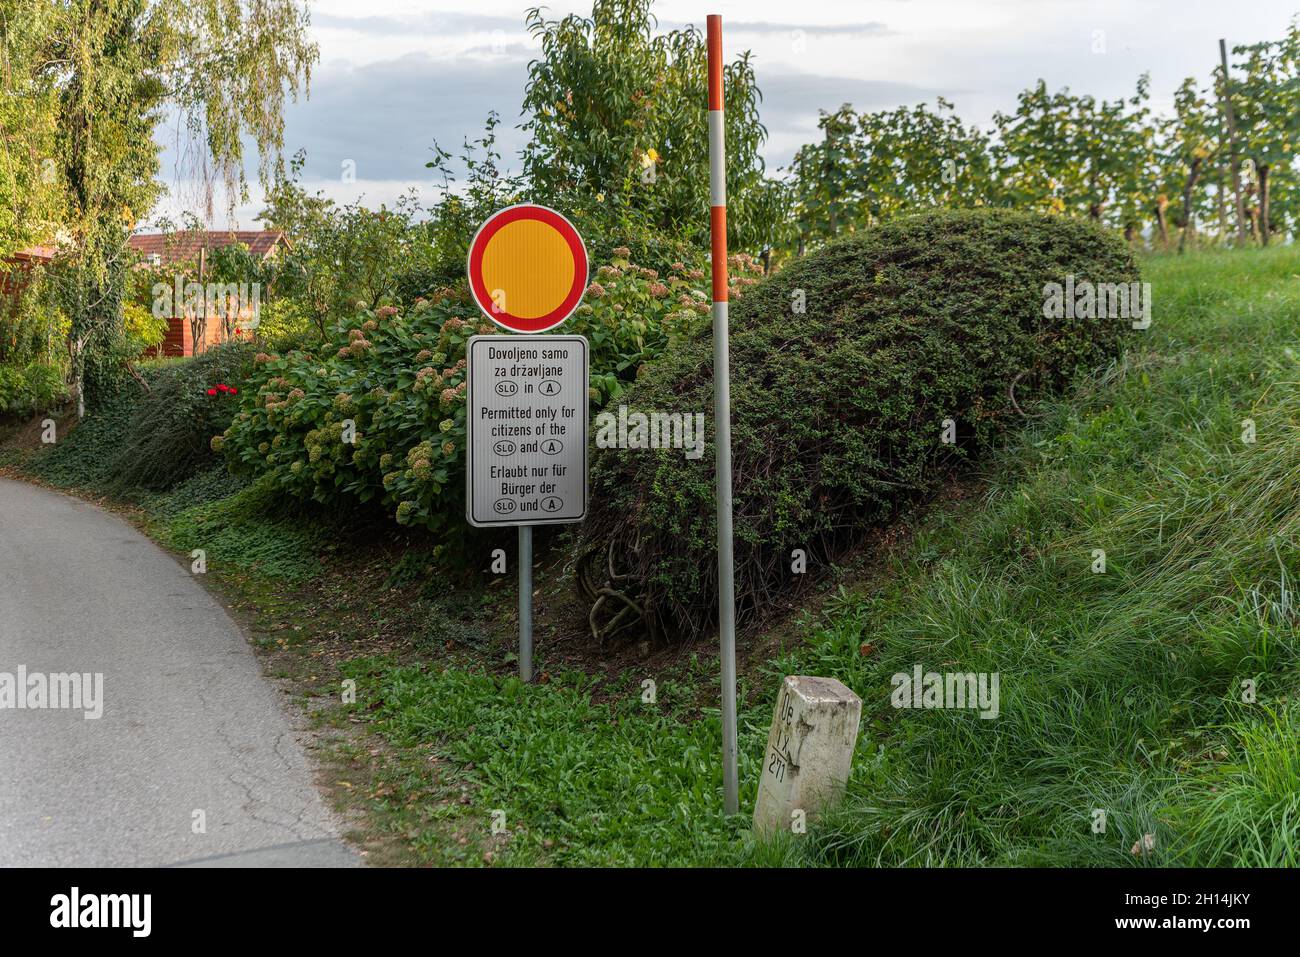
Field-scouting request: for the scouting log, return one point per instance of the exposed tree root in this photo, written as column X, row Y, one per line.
column 602, row 587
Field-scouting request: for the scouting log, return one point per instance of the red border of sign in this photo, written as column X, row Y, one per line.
column 474, row 267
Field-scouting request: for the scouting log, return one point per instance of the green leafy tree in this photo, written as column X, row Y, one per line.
column 28, row 116
column 617, row 117
column 1189, row 146
column 458, row 214
column 827, row 192
column 869, row 167
column 1062, row 152
column 1267, row 106
column 1128, row 137
column 290, row 208
column 1036, row 151
column 30, row 198
column 113, row 66
column 100, row 60
column 920, row 158
column 342, row 258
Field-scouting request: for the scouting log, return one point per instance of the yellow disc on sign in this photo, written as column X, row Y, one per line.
column 531, row 264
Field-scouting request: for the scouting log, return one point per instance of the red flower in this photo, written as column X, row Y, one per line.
column 234, row 391
column 212, row 392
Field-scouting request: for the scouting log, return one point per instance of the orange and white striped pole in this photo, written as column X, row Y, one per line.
column 722, row 416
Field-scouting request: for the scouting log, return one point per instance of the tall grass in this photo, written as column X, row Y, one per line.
column 1121, row 692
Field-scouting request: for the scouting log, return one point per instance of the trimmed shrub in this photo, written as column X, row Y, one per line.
column 838, row 407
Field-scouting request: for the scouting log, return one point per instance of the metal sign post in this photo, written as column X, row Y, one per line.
column 526, row 418
column 525, row 603
column 526, row 411
column 722, row 416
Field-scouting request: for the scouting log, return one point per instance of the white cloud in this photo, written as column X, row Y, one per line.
column 396, row 74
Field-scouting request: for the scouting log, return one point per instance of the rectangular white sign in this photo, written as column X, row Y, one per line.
column 527, row 427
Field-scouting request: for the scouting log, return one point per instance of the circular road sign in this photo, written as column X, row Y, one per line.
column 527, row 268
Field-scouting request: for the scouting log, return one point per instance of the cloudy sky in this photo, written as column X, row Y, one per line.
column 396, row 75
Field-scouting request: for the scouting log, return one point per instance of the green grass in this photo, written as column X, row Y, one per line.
column 1245, row 811
column 617, row 783
column 1120, row 691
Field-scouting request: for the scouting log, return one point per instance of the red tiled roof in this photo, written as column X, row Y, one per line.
column 186, row 245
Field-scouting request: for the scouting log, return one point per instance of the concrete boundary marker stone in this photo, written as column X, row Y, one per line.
column 809, row 752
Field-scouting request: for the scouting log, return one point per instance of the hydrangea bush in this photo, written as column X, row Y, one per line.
column 378, row 414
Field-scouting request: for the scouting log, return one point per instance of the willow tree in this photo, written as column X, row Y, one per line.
column 223, row 68
column 28, row 114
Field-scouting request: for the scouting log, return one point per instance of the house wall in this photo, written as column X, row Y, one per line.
column 179, row 340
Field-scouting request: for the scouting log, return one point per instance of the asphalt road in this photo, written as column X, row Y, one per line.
column 189, row 723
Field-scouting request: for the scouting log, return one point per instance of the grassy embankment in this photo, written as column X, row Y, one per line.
column 1120, row 692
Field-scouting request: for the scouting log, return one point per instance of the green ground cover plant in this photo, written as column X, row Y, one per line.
column 156, row 433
